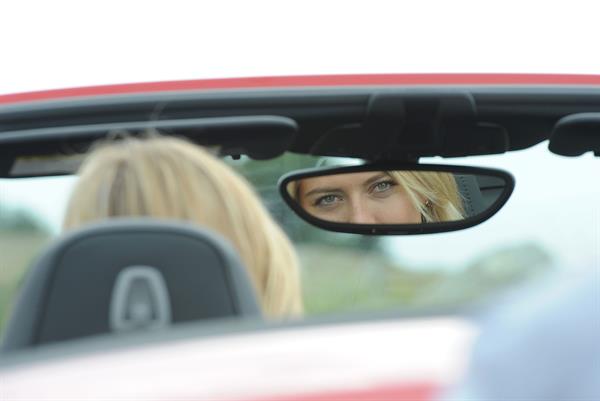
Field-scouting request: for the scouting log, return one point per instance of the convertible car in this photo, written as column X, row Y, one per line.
column 392, row 293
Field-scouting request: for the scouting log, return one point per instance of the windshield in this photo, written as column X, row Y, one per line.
column 549, row 224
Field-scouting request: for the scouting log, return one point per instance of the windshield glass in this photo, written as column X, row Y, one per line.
column 547, row 225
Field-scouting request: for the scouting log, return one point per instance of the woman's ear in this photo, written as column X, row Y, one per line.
column 427, row 208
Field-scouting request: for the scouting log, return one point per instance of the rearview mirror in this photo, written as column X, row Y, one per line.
column 396, row 198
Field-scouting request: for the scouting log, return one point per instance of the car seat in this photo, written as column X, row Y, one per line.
column 491, row 189
column 468, row 187
column 128, row 274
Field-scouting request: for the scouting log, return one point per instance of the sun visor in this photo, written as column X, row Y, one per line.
column 58, row 150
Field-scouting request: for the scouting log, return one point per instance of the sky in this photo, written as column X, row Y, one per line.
column 58, row 44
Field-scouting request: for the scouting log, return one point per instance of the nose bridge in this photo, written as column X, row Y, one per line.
column 359, row 210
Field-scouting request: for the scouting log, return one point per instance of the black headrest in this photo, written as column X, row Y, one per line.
column 123, row 275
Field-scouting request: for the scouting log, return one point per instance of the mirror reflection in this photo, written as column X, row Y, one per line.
column 395, row 197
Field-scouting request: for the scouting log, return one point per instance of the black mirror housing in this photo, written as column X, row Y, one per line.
column 396, row 198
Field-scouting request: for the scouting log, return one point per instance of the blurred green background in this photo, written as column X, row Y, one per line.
column 339, row 275
column 341, row 272
column 22, row 235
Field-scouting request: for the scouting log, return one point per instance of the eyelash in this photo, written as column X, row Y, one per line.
column 318, row 201
column 389, row 182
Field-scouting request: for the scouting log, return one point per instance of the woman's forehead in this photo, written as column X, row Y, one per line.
column 340, row 181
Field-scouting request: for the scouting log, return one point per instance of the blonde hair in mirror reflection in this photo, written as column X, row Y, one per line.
column 435, row 195
column 166, row 177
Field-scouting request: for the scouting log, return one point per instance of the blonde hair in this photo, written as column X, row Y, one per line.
column 166, row 177
column 435, row 195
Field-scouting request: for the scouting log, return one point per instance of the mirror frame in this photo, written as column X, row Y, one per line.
column 396, row 229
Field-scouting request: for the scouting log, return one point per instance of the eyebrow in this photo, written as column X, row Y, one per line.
column 369, row 181
column 318, row 191
column 376, row 178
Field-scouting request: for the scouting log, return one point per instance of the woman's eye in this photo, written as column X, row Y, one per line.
column 327, row 200
column 382, row 186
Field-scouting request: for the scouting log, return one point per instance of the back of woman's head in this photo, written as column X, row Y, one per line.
column 166, row 177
